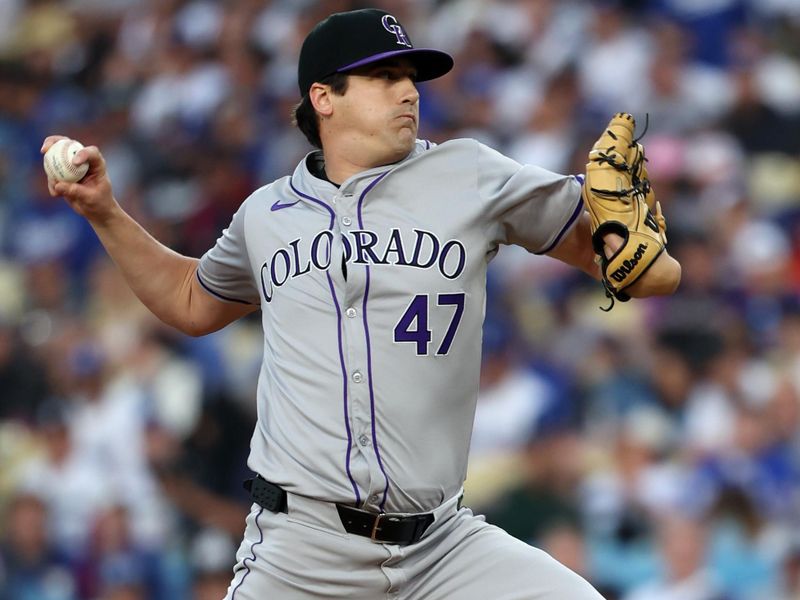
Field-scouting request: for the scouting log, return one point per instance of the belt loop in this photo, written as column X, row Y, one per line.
column 422, row 527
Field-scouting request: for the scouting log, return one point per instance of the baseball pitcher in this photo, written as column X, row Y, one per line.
column 368, row 264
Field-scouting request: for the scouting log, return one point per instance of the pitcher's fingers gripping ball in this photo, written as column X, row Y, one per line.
column 78, row 174
column 619, row 198
column 58, row 162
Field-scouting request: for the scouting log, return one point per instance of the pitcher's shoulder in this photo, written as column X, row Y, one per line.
column 279, row 187
column 426, row 148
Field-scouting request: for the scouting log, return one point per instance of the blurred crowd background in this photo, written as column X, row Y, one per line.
column 655, row 448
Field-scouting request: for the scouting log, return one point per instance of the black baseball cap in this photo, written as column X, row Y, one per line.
column 347, row 40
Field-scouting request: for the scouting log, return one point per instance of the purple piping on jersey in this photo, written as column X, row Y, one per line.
column 217, row 294
column 427, row 145
column 341, row 351
column 578, row 210
column 344, row 389
column 369, row 349
column 252, row 549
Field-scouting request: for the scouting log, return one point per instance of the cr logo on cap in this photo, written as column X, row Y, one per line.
column 391, row 25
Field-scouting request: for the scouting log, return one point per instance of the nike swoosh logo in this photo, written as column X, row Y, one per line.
column 278, row 205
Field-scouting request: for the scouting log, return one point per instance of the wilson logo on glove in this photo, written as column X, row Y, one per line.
column 629, row 264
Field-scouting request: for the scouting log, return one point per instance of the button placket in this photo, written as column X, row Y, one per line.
column 356, row 355
column 345, row 197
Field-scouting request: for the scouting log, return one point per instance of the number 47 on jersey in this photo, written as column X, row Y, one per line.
column 413, row 325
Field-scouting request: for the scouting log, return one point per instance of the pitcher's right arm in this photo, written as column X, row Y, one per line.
column 165, row 281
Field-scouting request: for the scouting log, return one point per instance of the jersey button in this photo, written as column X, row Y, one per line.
column 363, row 439
column 351, row 312
column 358, row 377
column 347, row 221
column 374, row 498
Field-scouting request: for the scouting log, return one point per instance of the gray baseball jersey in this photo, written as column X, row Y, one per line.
column 372, row 297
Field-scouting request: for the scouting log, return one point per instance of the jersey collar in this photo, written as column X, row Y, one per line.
column 305, row 181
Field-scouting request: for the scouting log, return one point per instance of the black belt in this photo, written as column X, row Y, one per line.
column 380, row 527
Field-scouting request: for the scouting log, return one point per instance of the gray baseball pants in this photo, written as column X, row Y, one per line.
column 307, row 555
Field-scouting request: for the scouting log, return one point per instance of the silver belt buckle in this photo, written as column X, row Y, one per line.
column 376, row 527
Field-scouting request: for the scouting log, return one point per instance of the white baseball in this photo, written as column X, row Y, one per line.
column 58, row 162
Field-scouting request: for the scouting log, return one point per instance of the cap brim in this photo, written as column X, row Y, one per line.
column 429, row 63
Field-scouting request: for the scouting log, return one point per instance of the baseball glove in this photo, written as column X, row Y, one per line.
column 619, row 198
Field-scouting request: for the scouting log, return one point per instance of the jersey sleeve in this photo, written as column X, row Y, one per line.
column 527, row 205
column 225, row 270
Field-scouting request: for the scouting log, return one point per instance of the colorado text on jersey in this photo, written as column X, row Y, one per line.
column 364, row 247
